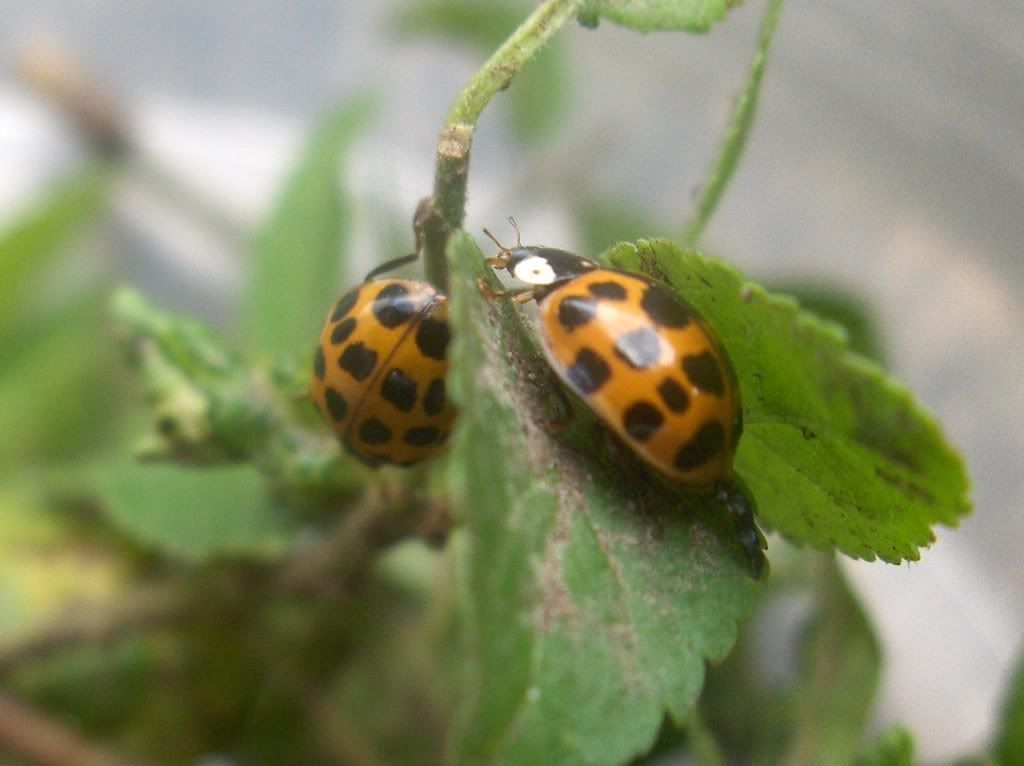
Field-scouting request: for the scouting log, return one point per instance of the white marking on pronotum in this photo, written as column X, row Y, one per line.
column 534, row 270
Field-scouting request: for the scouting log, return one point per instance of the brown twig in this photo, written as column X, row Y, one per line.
column 330, row 567
column 31, row 735
column 387, row 516
column 146, row 609
column 56, row 73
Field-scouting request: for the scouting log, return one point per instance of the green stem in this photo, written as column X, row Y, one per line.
column 739, row 129
column 443, row 212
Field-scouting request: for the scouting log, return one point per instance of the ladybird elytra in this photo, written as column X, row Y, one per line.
column 641, row 359
column 649, row 368
column 379, row 371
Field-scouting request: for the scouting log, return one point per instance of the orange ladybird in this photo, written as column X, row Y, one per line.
column 379, row 371
column 646, row 363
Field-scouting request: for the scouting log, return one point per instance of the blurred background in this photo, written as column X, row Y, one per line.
column 887, row 164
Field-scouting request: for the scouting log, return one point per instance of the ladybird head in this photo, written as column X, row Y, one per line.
column 535, row 264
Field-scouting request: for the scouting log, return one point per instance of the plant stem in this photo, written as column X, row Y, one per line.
column 739, row 129
column 443, row 212
column 387, row 515
column 147, row 609
column 29, row 733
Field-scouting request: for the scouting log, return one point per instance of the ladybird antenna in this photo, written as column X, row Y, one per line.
column 519, row 235
column 494, row 239
column 394, row 263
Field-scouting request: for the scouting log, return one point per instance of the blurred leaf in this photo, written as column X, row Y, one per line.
column 895, row 747
column 295, row 268
column 45, row 562
column 32, row 242
column 396, row 687
column 1009, row 745
column 735, row 139
column 652, row 15
column 195, row 513
column 593, row 596
column 703, row 747
column 110, row 691
column 844, row 308
column 603, row 223
column 56, row 382
column 756, row 731
column 539, row 95
column 838, row 455
column 839, row 679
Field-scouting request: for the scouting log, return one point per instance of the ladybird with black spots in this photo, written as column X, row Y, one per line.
column 647, row 364
column 379, row 371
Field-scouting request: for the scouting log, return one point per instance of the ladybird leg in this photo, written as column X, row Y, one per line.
column 519, row 296
column 563, row 420
column 394, row 263
column 738, row 500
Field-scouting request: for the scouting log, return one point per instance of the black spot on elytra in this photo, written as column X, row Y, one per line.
column 358, row 360
column 369, row 460
column 319, row 363
column 664, row 308
column 432, row 338
column 342, row 331
column 576, row 311
column 589, row 372
column 609, row 291
column 673, row 395
column 642, row 420
column 399, row 389
column 640, row 348
column 372, row 431
column 704, row 372
column 343, row 306
column 433, row 400
column 705, row 444
column 336, row 404
column 393, row 306
column 421, row 436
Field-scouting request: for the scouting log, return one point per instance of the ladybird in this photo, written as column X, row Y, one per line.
column 379, row 371
column 648, row 366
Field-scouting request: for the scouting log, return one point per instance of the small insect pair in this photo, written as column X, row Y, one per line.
column 641, row 359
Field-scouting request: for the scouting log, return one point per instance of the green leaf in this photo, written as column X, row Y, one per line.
column 56, row 382
column 539, row 94
column 656, row 15
column 594, row 594
column 195, row 514
column 735, row 139
column 46, row 562
column 295, row 266
column 1009, row 745
column 703, row 747
column 839, row 678
column 844, row 308
column 602, row 223
column 757, row 731
column 33, row 241
column 837, row 454
column 895, row 747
